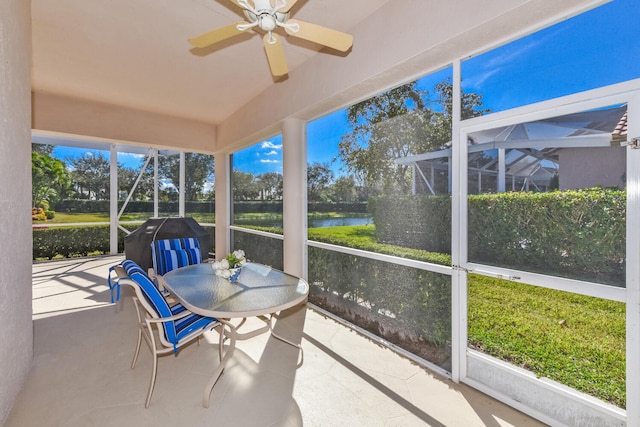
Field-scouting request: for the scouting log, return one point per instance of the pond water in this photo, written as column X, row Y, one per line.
column 335, row 222
column 313, row 223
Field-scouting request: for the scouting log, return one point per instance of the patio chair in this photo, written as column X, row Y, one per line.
column 121, row 270
column 175, row 325
column 169, row 254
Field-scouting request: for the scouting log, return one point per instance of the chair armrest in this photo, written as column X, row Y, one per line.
column 175, row 317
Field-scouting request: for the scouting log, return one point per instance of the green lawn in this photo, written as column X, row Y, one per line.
column 576, row 340
column 69, row 218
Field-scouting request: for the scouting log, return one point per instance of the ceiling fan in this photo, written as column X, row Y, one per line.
column 262, row 15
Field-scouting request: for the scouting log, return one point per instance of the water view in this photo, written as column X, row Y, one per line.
column 313, row 222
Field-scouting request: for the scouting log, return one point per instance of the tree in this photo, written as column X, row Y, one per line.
column 400, row 122
column 344, row 188
column 244, row 186
column 50, row 179
column 319, row 177
column 42, row 148
column 198, row 169
column 127, row 177
column 270, row 184
column 90, row 175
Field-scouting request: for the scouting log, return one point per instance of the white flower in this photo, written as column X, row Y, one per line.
column 224, row 273
column 223, row 269
column 239, row 254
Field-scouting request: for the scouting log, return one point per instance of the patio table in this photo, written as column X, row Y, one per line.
column 260, row 291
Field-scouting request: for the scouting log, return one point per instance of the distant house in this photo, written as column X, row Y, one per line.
column 579, row 150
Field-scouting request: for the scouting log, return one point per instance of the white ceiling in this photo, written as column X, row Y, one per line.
column 134, row 53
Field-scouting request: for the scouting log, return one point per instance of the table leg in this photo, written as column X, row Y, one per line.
column 298, row 346
column 223, row 361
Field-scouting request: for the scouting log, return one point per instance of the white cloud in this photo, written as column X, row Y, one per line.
column 271, row 153
column 132, row 155
column 269, row 144
column 269, row 161
column 506, row 56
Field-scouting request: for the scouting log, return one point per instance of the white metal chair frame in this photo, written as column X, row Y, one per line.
column 149, row 319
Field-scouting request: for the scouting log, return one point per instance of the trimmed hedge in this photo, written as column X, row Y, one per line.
column 419, row 222
column 578, row 233
column 91, row 206
column 418, row 300
column 72, row 241
column 265, row 250
column 68, row 242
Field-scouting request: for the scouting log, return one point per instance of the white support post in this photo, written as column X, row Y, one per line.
column 459, row 182
column 182, row 185
column 633, row 267
column 450, row 174
column 155, row 185
column 502, row 170
column 114, row 218
column 223, row 203
column 294, row 159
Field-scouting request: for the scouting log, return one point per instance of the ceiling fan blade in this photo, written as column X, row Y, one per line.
column 288, row 6
column 215, row 36
column 321, row 35
column 275, row 55
column 238, row 4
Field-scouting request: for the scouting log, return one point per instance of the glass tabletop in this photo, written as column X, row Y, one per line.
column 259, row 290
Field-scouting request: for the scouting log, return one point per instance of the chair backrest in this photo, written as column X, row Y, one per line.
column 169, row 254
column 131, row 267
column 155, row 304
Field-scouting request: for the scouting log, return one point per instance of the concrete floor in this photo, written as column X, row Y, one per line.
column 81, row 373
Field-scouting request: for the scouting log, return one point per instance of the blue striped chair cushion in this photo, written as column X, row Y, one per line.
column 170, row 259
column 191, row 323
column 130, row 267
column 174, row 330
column 190, row 243
column 163, row 261
column 168, row 244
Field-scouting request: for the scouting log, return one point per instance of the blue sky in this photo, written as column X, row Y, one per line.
column 594, row 49
column 265, row 156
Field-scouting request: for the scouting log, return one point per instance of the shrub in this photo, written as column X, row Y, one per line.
column 68, row 242
column 38, row 214
column 420, row 222
column 419, row 299
column 262, row 249
column 578, row 233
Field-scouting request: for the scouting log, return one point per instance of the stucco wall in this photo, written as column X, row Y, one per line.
column 592, row 167
column 67, row 115
column 16, row 326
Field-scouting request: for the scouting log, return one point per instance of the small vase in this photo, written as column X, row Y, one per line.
column 235, row 272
